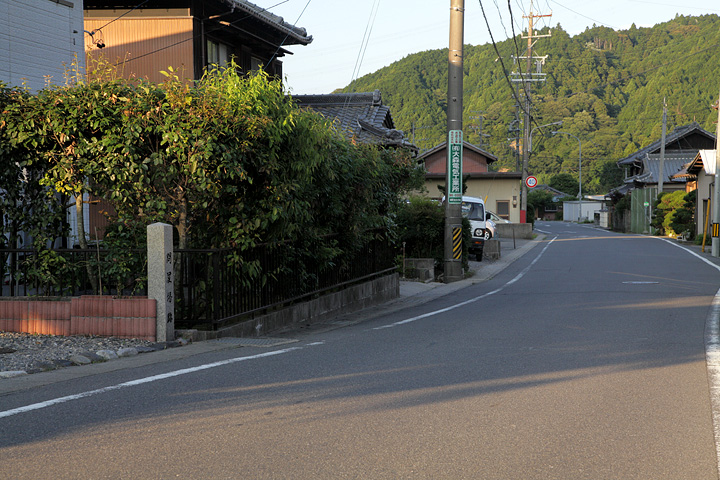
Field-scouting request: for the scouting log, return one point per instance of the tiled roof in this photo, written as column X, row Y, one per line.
column 361, row 117
column 674, row 162
column 673, row 137
column 296, row 35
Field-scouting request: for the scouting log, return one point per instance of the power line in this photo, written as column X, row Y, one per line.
column 199, row 35
column 366, row 40
column 584, row 16
column 118, row 18
column 499, row 56
column 288, row 34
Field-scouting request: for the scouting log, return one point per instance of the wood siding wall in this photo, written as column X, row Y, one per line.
column 145, row 46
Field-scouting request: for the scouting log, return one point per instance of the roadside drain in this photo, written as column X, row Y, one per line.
column 254, row 342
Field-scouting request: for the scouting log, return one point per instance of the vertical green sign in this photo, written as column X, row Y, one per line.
column 455, row 140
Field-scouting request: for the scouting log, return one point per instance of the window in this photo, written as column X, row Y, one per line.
column 473, row 211
column 217, row 53
column 503, row 209
column 255, row 64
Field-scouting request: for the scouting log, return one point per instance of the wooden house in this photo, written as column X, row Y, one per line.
column 642, row 171
column 188, row 35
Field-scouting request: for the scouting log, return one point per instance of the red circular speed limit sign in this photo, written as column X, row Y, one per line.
column 531, row 182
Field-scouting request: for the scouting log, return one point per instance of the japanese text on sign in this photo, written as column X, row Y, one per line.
column 455, row 139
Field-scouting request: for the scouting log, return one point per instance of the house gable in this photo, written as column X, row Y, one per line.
column 475, row 159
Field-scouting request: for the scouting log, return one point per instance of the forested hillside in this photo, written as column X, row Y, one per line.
column 606, row 86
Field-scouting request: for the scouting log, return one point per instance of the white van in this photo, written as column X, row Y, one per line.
column 473, row 209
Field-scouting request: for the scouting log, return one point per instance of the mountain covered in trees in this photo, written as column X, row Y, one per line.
column 606, row 86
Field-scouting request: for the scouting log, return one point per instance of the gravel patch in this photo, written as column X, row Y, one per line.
column 24, row 353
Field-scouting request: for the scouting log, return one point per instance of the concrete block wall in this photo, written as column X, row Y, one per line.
column 521, row 230
column 317, row 310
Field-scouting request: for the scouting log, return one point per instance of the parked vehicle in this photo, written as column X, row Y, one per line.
column 490, row 228
column 496, row 219
column 473, row 209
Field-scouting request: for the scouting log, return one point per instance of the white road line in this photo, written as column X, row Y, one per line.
column 140, row 381
column 472, row 300
column 712, row 352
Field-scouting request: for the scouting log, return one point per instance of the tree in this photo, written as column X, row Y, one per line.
column 664, row 208
column 683, row 219
column 565, row 183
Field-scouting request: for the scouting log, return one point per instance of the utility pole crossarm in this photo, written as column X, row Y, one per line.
column 527, row 81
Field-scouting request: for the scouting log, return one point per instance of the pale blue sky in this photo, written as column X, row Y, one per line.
column 402, row 27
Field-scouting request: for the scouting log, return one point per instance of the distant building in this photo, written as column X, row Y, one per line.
column 499, row 190
column 642, row 170
column 361, row 117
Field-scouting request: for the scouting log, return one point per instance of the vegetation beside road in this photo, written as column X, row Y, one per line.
column 230, row 161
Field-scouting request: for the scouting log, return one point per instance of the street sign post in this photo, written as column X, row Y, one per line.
column 455, row 140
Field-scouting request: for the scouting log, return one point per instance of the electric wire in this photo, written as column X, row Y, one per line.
column 499, row 56
column 497, row 7
column 287, row 35
column 363, row 48
column 365, row 40
column 121, row 16
column 180, row 42
column 584, row 16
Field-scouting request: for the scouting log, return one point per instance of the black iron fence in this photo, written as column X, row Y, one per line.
column 211, row 288
column 72, row 272
column 213, row 291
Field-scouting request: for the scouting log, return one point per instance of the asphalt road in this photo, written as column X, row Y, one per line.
column 585, row 358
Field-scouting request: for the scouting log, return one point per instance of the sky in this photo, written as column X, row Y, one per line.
column 352, row 38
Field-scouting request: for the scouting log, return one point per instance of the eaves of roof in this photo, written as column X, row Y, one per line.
column 675, row 135
column 704, row 161
column 298, row 35
column 483, row 175
column 361, row 117
column 466, row 145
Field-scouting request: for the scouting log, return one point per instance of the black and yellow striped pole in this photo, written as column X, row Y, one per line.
column 457, row 243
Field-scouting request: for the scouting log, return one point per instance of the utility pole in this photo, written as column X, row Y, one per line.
column 662, row 149
column 716, row 193
column 526, row 81
column 453, row 184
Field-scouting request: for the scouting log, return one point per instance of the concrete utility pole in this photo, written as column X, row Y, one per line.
column 453, row 185
column 715, row 252
column 526, row 81
column 662, row 150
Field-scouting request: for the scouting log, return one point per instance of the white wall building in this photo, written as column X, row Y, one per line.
column 38, row 39
column 572, row 213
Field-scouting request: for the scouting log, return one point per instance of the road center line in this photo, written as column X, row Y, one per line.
column 466, row 302
column 139, row 381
